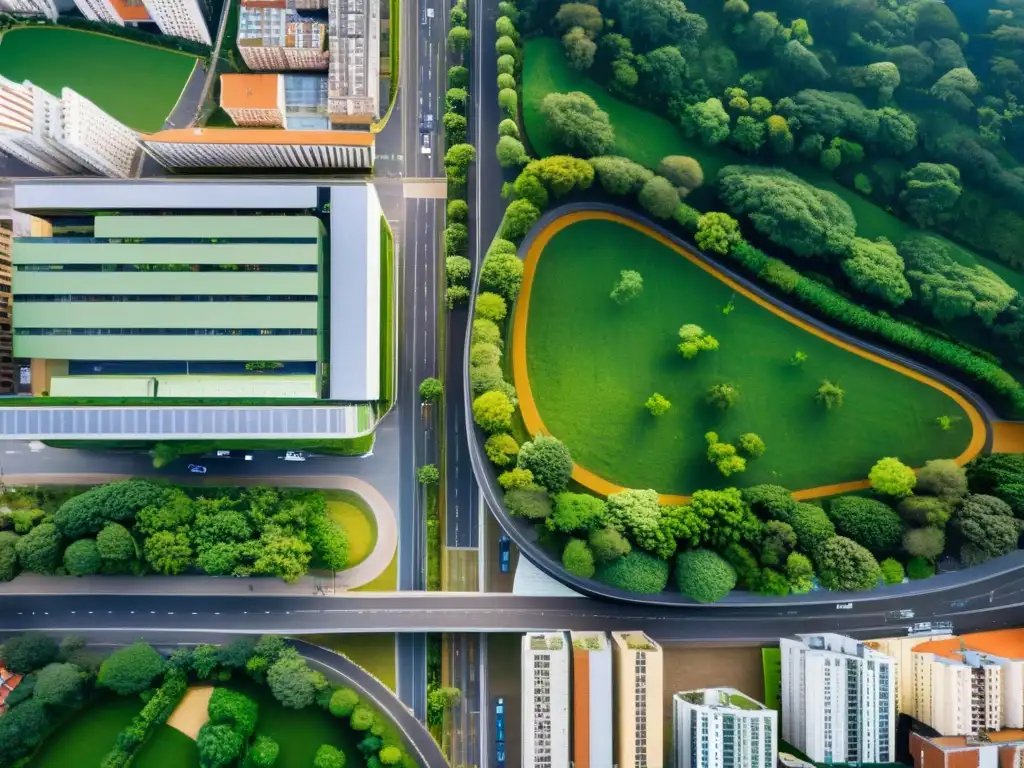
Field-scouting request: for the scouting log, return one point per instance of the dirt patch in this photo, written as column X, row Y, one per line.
column 189, row 716
column 688, row 667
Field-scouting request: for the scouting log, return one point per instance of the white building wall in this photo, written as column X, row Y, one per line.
column 545, row 704
column 1013, row 695
column 100, row 142
column 826, row 679
column 47, row 8
column 99, row 10
column 700, row 736
column 66, row 136
column 209, row 155
column 181, row 18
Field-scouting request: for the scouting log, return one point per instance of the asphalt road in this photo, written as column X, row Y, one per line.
column 993, row 604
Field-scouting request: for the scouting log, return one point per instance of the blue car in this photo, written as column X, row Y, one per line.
column 504, row 554
column 499, row 729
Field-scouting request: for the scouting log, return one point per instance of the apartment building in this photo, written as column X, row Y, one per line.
column 224, row 148
column 47, row 8
column 354, row 74
column 65, row 136
column 838, row 699
column 179, row 18
column 7, row 377
column 902, row 650
column 967, row 752
column 723, row 728
column 295, row 102
column 591, row 700
column 545, row 704
column 638, row 701
column 272, row 38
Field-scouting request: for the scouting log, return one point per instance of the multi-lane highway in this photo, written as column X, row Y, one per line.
column 995, row 602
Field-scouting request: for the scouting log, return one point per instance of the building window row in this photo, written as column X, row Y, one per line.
column 156, row 297
column 165, row 331
column 166, row 267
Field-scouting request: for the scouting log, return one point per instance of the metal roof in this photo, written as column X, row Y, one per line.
column 61, row 194
column 185, row 423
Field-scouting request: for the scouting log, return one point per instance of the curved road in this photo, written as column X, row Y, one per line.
column 526, row 538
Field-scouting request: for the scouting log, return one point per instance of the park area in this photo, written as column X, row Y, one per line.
column 135, row 83
column 646, row 138
column 592, row 364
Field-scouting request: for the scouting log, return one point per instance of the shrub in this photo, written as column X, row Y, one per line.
column 576, row 512
column 943, row 478
column 492, row 412
column 919, row 568
column 704, row 576
column 329, row 756
column 812, row 526
column 503, row 274
column 684, row 172
column 799, row 573
column 457, row 211
column 657, row 404
column 486, row 332
column 118, row 502
column 722, row 396
column 925, row 542
column 457, row 269
column 924, row 510
column 502, row 449
column 533, row 503
column 516, row 478
column 430, row 390
column 659, row 198
column 578, row 559
column 82, row 558
column 718, row 233
column 264, row 752
column 846, row 566
column 428, row 474
column 28, row 652
column 510, row 152
column 870, row 523
column 549, row 460
column 508, row 128
column 635, row 572
column 519, row 217
column 770, row 501
column 893, row 478
column 629, row 286
column 751, row 445
column 892, row 571
column 39, row 549
column 8, row 555
column 490, row 306
column 830, row 395
column 343, row 701
column 131, row 669
column 607, row 544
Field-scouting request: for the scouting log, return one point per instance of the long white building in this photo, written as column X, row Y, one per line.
column 192, row 148
column 545, row 704
column 66, row 136
column 838, row 699
column 723, row 728
column 47, row 8
column 354, row 75
column 180, row 18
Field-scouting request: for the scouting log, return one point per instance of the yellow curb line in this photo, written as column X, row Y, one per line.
column 535, row 424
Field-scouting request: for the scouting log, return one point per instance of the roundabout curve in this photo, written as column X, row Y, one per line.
column 979, row 411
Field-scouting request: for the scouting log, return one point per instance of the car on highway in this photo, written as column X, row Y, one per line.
column 294, row 456
column 427, row 123
column 499, row 732
column 425, row 144
column 198, row 469
column 504, row 554
column 227, row 455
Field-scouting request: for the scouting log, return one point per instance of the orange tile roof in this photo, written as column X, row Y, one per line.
column 260, row 136
column 949, row 742
column 249, row 91
column 128, row 12
column 1007, row 643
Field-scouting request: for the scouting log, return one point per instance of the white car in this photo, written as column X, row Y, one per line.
column 294, row 456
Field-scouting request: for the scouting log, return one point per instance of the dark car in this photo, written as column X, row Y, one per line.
column 426, row 123
column 499, row 732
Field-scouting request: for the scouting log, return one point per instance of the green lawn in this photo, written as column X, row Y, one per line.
column 373, row 652
column 592, row 365
column 771, row 663
column 88, row 736
column 646, row 138
column 167, row 748
column 349, row 509
column 138, row 84
column 387, row 581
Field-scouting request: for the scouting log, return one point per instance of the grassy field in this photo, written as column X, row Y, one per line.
column 592, row 365
column 373, row 652
column 137, row 84
column 386, row 582
column 86, row 738
column 348, row 509
column 646, row 138
column 167, row 748
column 387, row 290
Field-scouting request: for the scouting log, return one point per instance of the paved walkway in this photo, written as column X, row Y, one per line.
column 373, row 566
column 531, row 414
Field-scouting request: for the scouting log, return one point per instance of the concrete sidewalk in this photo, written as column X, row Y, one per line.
column 375, row 563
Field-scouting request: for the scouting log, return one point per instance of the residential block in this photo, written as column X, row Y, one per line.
column 591, row 700
column 723, row 728
column 638, row 701
column 545, row 700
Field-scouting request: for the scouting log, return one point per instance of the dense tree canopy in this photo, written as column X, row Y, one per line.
column 578, row 123
column 789, row 211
